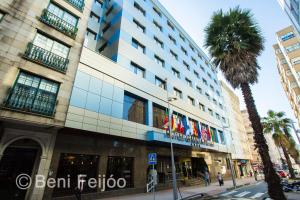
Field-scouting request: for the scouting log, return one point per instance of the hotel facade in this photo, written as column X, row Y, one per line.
column 287, row 53
column 86, row 88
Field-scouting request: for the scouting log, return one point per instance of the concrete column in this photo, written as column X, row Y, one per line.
column 150, row 113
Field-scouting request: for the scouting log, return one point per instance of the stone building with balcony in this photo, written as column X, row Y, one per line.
column 40, row 42
column 287, row 53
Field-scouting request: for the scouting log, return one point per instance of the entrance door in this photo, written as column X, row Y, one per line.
column 199, row 166
column 15, row 161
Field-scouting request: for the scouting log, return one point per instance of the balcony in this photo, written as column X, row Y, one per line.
column 58, row 23
column 26, row 99
column 46, row 58
column 78, row 4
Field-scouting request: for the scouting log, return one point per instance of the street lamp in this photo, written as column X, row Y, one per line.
column 229, row 158
column 175, row 195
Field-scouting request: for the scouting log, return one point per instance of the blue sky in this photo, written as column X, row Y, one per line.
column 194, row 15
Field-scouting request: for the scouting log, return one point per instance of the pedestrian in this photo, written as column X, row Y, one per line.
column 251, row 174
column 220, row 179
column 206, row 178
column 255, row 175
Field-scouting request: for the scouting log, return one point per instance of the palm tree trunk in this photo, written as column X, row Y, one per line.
column 272, row 179
column 288, row 161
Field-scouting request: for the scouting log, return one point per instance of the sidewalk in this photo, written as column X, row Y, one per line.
column 214, row 188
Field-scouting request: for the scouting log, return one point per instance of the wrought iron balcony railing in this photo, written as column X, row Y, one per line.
column 47, row 58
column 27, row 99
column 58, row 23
column 79, row 4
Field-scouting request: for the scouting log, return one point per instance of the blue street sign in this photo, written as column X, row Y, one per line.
column 152, row 159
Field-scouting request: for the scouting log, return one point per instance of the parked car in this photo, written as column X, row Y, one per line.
column 282, row 174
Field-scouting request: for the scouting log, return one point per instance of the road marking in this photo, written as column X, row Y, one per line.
column 242, row 194
column 228, row 193
column 257, row 195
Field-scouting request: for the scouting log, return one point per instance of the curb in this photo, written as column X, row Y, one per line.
column 238, row 186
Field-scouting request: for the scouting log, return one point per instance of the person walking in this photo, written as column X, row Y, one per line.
column 255, row 175
column 220, row 179
column 206, row 178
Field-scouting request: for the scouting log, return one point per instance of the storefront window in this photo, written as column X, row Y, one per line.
column 134, row 108
column 159, row 115
column 72, row 165
column 120, row 167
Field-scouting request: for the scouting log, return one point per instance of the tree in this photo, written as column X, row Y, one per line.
column 274, row 124
column 234, row 42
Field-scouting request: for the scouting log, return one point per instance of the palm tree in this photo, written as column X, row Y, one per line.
column 234, row 42
column 273, row 124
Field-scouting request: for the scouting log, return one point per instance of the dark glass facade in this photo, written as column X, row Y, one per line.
column 134, row 108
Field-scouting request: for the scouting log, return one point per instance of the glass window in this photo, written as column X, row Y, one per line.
column 199, row 90
column 139, row 8
column 94, row 17
column 159, row 115
column 211, row 112
column 120, row 167
column 159, row 42
column 295, row 61
column 189, row 82
column 177, row 93
column 62, row 14
column 72, row 165
column 159, row 61
column 33, row 93
column 207, row 96
column 183, row 50
column 218, row 116
column 172, row 39
column 136, row 44
column 191, row 100
column 174, row 55
column 139, row 25
column 159, row 27
column 176, row 73
column 194, row 60
column 135, row 68
column 292, row 47
column 160, row 83
column 215, row 101
column 134, row 108
column 287, row 36
column 196, row 74
column 170, row 25
column 156, row 11
column 202, row 107
column 204, row 81
column 186, row 65
column 91, row 35
column 51, row 45
column 182, row 37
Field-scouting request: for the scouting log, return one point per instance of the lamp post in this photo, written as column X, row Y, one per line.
column 170, row 99
column 229, row 159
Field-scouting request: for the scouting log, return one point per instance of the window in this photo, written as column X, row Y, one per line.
column 292, row 47
column 139, row 26
column 135, row 68
column 105, row 28
column 109, row 10
column 202, row 68
column 159, row 42
column 139, row 8
column 199, row 89
column 160, row 83
column 204, row 81
column 287, row 36
column 170, row 25
column 215, row 101
column 223, row 119
column 196, row 74
column 212, row 88
column 98, row 2
column 156, row 11
column 174, row 55
column 64, row 15
column 295, row 61
column 186, row 65
column 159, row 61
column 202, row 107
column 134, row 108
column 209, row 75
column 199, row 55
column 51, row 45
column 215, row 81
column 176, row 73
column 1, row 16
column 91, row 34
column 136, row 44
column 182, row 37
column 159, row 27
column 184, row 51
column 70, row 166
column 94, row 17
column 159, row 115
column 221, row 106
column 211, row 112
column 191, row 100
column 207, row 96
column 278, row 51
column 172, row 39
column 193, row 49
column 189, row 82
column 194, row 60
column 101, row 49
column 120, row 167
column 32, row 93
column 177, row 93
column 218, row 93
column 218, row 116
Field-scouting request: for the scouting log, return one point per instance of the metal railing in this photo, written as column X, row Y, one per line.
column 26, row 99
column 56, row 22
column 45, row 57
column 79, row 4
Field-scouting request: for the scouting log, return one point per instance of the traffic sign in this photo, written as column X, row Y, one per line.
column 152, row 159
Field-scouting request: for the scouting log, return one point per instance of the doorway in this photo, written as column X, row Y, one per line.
column 20, row 157
column 199, row 166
